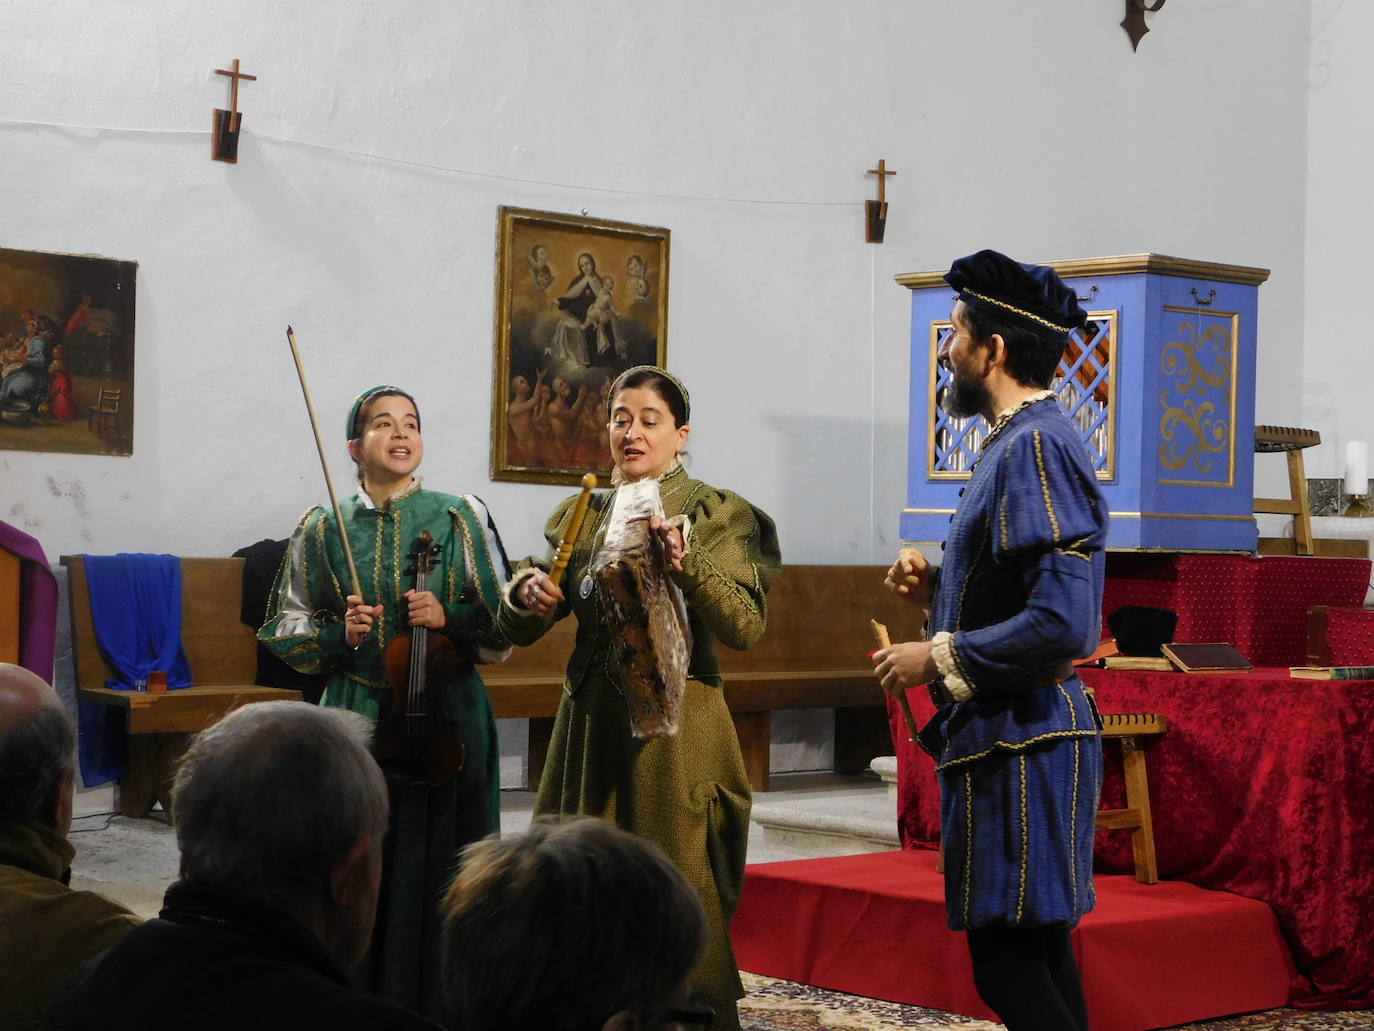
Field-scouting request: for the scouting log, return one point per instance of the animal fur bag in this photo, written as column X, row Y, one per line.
column 646, row 612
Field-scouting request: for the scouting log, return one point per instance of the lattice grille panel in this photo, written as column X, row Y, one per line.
column 1085, row 385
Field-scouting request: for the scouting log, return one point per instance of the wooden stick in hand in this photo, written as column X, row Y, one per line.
column 565, row 546
column 880, row 635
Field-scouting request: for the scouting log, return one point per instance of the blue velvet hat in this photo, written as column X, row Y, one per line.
column 1030, row 296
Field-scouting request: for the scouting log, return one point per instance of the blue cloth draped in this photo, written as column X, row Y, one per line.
column 136, row 612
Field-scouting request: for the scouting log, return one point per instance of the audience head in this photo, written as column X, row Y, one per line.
column 574, row 925
column 280, row 803
column 37, row 745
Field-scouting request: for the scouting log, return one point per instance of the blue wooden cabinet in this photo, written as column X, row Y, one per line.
column 1161, row 383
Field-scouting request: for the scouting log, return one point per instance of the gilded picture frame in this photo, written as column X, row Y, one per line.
column 578, row 301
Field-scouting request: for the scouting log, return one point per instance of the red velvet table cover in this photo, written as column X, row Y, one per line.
column 1263, row 786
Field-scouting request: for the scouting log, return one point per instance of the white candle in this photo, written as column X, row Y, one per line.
column 1356, row 467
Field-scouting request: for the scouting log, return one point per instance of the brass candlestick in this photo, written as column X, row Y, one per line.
column 1357, row 507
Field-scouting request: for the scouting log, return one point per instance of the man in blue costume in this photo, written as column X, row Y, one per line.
column 1019, row 595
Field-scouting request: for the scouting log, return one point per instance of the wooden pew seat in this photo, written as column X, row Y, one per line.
column 223, row 657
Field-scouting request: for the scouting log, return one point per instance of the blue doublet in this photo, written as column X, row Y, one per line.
column 1020, row 763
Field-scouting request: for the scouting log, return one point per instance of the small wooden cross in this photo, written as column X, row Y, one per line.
column 224, row 141
column 882, row 172
column 875, row 211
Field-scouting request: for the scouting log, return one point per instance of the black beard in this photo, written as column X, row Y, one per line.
column 965, row 397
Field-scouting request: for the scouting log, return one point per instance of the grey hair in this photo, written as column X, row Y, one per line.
column 269, row 800
column 32, row 758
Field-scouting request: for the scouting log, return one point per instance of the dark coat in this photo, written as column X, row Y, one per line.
column 46, row 928
column 210, row 962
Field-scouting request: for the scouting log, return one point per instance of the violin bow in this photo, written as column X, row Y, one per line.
column 565, row 546
column 880, row 635
column 324, row 464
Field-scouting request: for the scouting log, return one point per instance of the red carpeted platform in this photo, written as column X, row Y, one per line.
column 874, row 925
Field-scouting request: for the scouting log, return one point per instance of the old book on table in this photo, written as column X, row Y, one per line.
column 1333, row 672
column 1156, row 663
column 1206, row 658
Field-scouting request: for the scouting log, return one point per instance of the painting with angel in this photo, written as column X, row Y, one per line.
column 578, row 301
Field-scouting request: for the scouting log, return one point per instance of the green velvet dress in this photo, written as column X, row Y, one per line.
column 305, row 628
column 689, row 792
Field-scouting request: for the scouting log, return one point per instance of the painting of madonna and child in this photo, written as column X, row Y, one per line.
column 66, row 353
column 578, row 301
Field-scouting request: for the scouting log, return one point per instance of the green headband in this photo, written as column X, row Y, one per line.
column 686, row 399
column 361, row 401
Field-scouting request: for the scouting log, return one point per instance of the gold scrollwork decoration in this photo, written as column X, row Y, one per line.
column 1209, row 434
column 1183, row 358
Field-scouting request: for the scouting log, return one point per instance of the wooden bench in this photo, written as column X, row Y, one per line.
column 223, row 657
column 812, row 656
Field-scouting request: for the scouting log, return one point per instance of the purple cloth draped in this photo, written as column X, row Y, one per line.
column 37, row 602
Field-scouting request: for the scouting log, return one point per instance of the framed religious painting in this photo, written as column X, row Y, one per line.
column 578, row 301
column 66, row 353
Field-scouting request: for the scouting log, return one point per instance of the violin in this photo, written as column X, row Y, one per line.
column 414, row 737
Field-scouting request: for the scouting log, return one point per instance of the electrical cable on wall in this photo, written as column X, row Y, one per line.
column 431, row 167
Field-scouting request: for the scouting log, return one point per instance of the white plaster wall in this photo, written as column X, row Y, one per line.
column 1338, row 371
column 1011, row 125
column 380, row 139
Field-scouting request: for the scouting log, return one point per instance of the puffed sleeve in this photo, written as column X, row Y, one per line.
column 304, row 626
column 732, row 560
column 471, row 615
column 515, row 622
column 1051, row 522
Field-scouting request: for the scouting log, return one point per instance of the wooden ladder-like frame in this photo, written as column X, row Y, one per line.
column 1134, row 730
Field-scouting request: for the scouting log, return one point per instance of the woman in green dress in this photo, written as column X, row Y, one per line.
column 687, row 792
column 318, row 625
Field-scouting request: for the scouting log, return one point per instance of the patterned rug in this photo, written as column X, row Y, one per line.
column 774, row 1005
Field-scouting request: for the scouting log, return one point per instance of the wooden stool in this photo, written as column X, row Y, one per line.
column 1130, row 728
column 1292, row 441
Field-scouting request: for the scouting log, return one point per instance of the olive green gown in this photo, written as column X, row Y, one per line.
column 689, row 792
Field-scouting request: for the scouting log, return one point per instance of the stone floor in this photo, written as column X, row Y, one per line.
column 133, row 861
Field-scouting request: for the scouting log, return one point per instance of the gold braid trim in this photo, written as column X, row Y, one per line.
column 1025, row 843
column 1045, row 485
column 1019, row 311
column 1073, row 809
column 1005, row 418
column 968, row 841
column 1017, row 746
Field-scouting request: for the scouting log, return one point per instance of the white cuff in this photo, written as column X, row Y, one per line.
column 684, row 525
column 942, row 650
column 508, row 592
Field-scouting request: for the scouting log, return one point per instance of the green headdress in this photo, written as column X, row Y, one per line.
column 360, row 402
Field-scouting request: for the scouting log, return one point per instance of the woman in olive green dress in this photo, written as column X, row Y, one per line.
column 687, row 792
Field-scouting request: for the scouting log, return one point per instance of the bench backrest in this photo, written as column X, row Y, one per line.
column 818, row 619
column 220, row 649
column 817, row 622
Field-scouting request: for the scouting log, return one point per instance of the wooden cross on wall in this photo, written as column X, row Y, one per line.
column 224, row 140
column 875, row 211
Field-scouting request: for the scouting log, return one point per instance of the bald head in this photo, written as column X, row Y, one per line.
column 36, row 746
